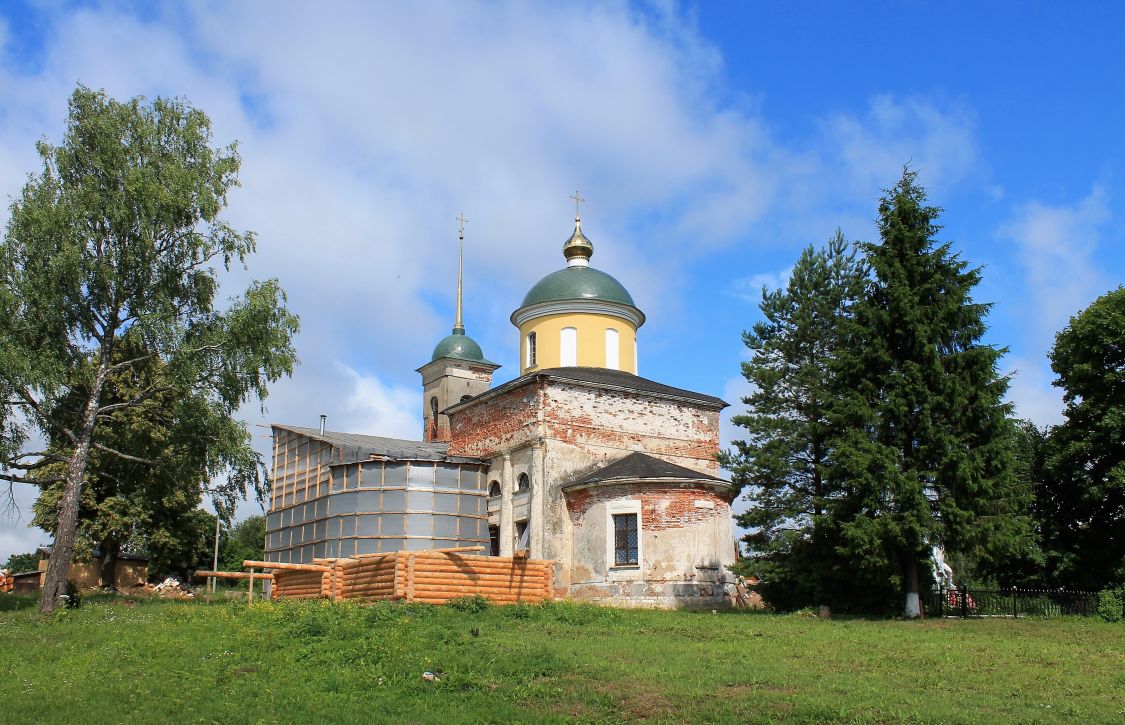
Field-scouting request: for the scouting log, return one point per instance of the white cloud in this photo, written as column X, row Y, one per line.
column 17, row 535
column 1056, row 245
column 750, row 288
column 734, row 390
column 1031, row 392
column 378, row 409
column 871, row 149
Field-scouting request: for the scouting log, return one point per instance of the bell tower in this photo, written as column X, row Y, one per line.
column 457, row 369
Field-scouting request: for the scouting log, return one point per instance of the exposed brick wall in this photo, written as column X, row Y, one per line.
column 662, row 506
column 616, row 420
column 598, row 421
column 493, row 425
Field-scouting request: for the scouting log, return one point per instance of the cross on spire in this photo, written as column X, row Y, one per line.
column 461, row 218
column 577, row 200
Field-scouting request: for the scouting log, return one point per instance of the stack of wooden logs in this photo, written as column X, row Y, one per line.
column 433, row 577
column 366, row 577
column 299, row 584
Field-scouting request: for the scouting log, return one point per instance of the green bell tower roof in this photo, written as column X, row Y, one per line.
column 459, row 346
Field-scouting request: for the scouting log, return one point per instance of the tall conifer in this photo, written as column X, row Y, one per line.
column 924, row 453
column 781, row 466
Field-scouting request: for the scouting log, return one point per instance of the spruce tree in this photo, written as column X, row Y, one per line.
column 924, row 454
column 781, row 466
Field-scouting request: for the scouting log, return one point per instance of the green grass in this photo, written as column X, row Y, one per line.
column 151, row 661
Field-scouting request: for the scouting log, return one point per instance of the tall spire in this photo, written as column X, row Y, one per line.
column 578, row 249
column 458, row 325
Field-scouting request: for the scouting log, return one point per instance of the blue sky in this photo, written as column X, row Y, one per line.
column 712, row 142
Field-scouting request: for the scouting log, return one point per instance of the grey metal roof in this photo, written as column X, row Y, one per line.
column 601, row 378
column 643, row 467
column 358, row 447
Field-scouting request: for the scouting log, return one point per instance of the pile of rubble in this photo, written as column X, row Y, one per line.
column 171, row 588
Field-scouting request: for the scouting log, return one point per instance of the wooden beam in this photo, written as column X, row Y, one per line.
column 452, row 550
column 287, row 567
column 233, row 574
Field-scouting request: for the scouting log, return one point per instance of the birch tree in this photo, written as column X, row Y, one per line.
column 120, row 232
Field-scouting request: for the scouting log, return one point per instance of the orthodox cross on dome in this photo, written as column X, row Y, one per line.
column 578, row 248
column 577, row 201
column 458, row 326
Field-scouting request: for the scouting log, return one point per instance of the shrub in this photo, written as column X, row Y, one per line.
column 1111, row 604
column 73, row 598
column 475, row 603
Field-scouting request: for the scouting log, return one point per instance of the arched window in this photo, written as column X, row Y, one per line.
column 433, row 418
column 612, row 350
column 568, row 343
column 523, row 483
column 466, row 397
column 530, row 350
column 494, row 489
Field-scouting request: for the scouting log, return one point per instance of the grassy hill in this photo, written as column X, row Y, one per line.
column 120, row 660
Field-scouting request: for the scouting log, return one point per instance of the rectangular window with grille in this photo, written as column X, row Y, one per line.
column 625, row 539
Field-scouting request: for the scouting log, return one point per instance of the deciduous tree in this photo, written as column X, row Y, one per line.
column 1085, row 462
column 184, row 446
column 22, row 562
column 245, row 540
column 120, row 233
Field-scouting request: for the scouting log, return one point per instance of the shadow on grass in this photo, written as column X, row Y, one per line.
column 17, row 602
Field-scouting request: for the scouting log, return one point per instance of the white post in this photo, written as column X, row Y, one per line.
column 215, row 561
column 538, row 496
column 507, row 526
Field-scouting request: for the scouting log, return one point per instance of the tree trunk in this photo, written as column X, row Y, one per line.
column 110, row 550
column 913, row 608
column 58, row 566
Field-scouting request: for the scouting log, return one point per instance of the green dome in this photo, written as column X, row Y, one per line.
column 578, row 283
column 459, row 346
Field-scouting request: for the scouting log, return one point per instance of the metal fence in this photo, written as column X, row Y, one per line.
column 962, row 602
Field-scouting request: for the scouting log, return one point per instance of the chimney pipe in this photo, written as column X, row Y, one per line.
column 323, row 420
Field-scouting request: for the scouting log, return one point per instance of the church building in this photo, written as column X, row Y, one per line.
column 579, row 460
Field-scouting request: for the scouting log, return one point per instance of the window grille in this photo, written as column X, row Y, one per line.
column 494, row 540
column 624, row 539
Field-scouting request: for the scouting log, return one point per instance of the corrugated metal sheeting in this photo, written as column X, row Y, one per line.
column 411, row 499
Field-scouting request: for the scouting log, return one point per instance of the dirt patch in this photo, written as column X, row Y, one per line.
column 749, row 688
column 639, row 700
